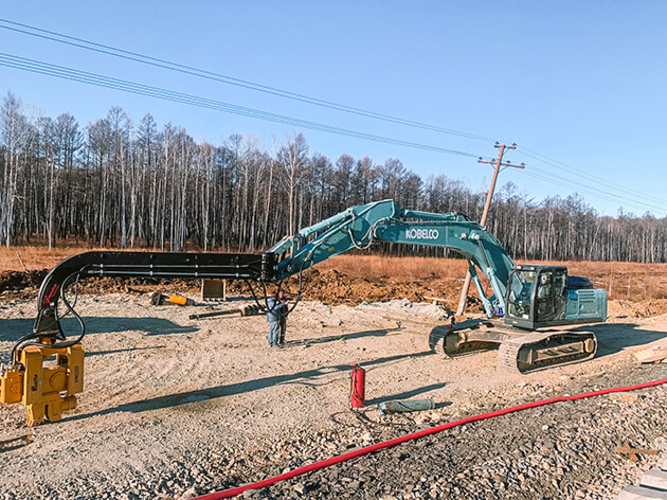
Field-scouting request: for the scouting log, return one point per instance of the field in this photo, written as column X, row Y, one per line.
column 636, row 290
column 175, row 407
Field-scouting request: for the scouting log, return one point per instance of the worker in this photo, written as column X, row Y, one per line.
column 276, row 309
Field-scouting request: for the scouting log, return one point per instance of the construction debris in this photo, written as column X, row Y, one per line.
column 159, row 299
column 407, row 405
column 652, row 355
column 652, row 485
column 244, row 310
column 213, row 290
column 632, row 453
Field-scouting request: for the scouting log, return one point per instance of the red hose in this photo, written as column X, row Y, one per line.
column 232, row 492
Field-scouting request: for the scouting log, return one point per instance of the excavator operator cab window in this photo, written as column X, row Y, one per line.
column 551, row 298
column 521, row 293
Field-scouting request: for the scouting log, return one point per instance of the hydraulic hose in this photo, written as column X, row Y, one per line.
column 22, row 343
column 232, row 492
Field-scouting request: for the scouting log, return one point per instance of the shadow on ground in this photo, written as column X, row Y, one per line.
column 614, row 337
column 346, row 336
column 117, row 351
column 13, row 329
column 307, row 377
column 406, row 395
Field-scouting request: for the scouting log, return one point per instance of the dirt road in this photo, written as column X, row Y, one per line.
column 175, row 407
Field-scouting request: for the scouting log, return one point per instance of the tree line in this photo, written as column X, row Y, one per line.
column 114, row 183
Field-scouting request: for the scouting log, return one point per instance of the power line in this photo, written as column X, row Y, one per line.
column 540, row 174
column 34, row 66
column 638, row 199
column 182, row 98
column 172, row 66
column 579, row 173
column 627, row 198
column 593, row 191
column 263, row 115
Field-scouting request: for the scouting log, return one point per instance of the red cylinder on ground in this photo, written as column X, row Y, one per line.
column 358, row 387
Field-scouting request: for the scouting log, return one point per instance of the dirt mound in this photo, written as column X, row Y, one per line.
column 335, row 287
column 18, row 280
column 330, row 287
column 645, row 309
column 25, row 285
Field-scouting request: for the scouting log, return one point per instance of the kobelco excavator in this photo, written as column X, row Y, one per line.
column 530, row 297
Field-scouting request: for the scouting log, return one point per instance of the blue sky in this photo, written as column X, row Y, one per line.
column 582, row 83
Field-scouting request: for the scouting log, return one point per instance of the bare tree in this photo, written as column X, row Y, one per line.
column 293, row 157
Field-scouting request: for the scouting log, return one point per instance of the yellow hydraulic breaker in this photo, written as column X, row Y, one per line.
column 46, row 390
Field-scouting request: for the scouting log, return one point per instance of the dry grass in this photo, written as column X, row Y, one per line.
column 622, row 280
column 21, row 258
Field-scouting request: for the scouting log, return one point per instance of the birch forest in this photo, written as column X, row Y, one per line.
column 116, row 183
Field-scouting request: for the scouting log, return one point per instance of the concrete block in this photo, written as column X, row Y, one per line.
column 655, row 478
column 641, row 493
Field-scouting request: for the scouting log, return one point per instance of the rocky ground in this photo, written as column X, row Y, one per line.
column 174, row 408
column 554, row 452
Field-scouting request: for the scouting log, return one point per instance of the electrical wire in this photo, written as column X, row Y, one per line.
column 580, row 173
column 639, row 200
column 172, row 66
column 540, row 174
column 97, row 80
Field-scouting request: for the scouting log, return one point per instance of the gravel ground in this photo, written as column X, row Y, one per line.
column 175, row 408
column 560, row 451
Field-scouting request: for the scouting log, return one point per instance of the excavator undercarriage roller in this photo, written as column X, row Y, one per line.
column 541, row 350
column 467, row 337
column 518, row 351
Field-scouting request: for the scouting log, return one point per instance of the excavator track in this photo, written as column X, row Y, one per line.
column 541, row 350
column 465, row 338
column 519, row 351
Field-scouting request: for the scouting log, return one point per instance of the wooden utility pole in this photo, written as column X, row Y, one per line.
column 498, row 163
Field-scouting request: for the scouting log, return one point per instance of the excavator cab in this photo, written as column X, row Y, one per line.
column 541, row 296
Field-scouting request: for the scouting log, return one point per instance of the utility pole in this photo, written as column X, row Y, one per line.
column 498, row 163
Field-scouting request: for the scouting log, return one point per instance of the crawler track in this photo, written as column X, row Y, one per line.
column 541, row 350
column 518, row 351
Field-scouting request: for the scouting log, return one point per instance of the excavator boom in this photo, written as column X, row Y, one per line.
column 361, row 226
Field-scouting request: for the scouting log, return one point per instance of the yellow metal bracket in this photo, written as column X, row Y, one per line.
column 46, row 390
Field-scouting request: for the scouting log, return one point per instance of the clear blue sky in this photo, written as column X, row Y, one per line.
column 581, row 82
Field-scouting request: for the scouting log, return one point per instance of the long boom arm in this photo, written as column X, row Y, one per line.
column 143, row 264
column 48, row 390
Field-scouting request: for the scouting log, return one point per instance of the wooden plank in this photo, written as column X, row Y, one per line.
column 633, row 452
column 213, row 289
column 655, row 478
column 630, row 450
column 639, row 493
